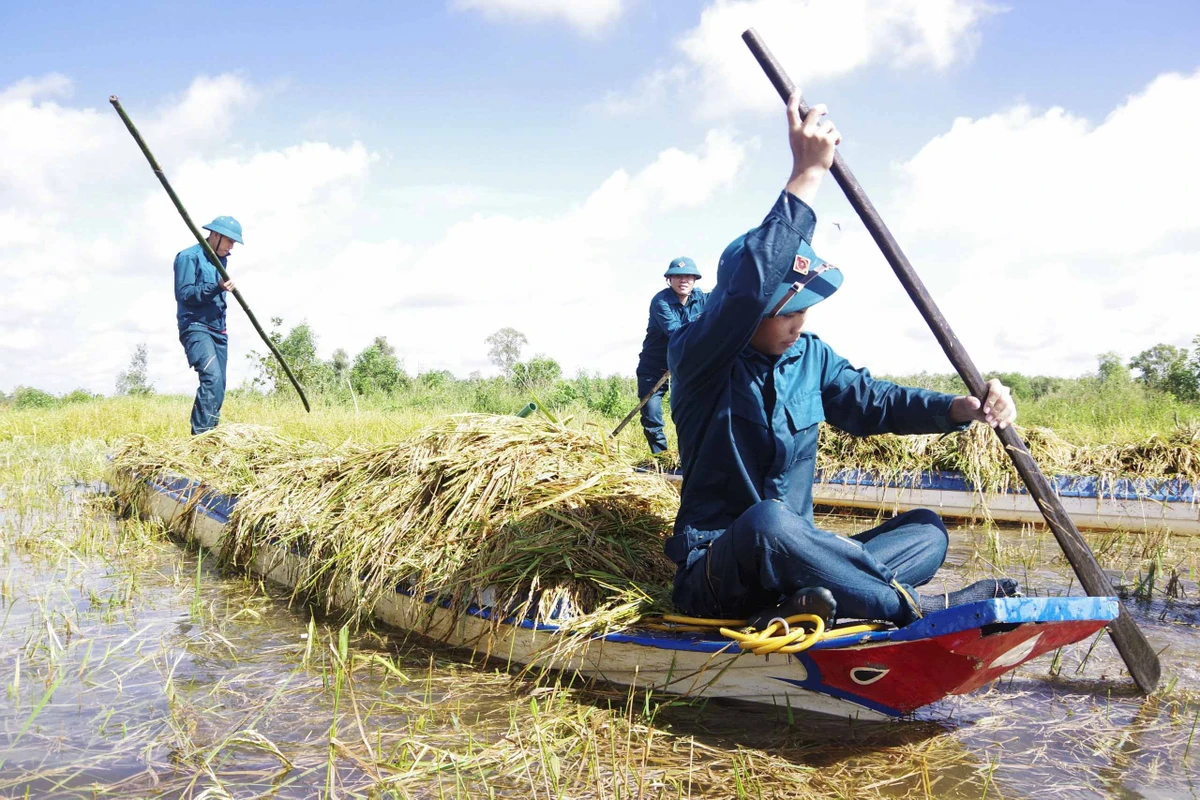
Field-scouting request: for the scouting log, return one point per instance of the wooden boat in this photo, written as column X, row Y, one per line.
column 877, row 675
column 1094, row 504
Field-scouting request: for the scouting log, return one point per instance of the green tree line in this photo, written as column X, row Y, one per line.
column 377, row 374
column 1158, row 387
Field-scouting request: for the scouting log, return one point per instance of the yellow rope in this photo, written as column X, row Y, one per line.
column 792, row 640
column 780, row 636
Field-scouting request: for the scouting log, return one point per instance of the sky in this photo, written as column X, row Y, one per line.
column 435, row 170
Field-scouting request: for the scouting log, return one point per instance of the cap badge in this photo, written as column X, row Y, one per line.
column 801, row 265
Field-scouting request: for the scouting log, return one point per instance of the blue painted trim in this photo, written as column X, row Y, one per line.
column 215, row 506
column 1174, row 490
column 1012, row 610
column 1164, row 490
column 814, row 685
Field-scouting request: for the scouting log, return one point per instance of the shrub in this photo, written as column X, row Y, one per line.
column 79, row 396
column 28, row 397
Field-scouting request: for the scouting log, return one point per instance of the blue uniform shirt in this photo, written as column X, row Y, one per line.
column 199, row 298
column 667, row 315
column 747, row 422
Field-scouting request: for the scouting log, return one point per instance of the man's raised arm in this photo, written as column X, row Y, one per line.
column 753, row 266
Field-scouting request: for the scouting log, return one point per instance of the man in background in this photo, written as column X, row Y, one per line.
column 200, row 312
column 680, row 303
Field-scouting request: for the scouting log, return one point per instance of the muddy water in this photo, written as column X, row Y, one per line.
column 133, row 667
column 1074, row 726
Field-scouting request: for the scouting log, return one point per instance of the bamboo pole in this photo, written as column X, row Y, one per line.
column 208, row 251
column 1139, row 657
column 643, row 402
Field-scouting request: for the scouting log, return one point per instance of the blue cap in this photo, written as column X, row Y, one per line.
column 818, row 279
column 226, row 226
column 682, row 266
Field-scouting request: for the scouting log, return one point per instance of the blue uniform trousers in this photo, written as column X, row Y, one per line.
column 770, row 551
column 207, row 353
column 652, row 414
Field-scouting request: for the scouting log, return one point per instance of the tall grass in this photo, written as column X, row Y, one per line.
column 96, row 425
column 1083, row 410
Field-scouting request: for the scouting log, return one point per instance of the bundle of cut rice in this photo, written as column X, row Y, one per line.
column 546, row 517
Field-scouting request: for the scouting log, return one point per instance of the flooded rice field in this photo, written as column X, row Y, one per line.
column 132, row 667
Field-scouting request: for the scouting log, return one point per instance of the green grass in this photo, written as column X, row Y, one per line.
column 88, row 430
column 1083, row 410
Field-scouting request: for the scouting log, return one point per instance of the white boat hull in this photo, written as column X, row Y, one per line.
column 868, row 676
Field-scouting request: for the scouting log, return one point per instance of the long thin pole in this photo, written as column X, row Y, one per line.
column 1137, row 653
column 208, row 251
column 643, row 402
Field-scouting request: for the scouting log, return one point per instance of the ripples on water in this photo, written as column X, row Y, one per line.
column 133, row 667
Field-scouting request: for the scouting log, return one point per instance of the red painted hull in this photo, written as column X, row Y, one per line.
column 905, row 675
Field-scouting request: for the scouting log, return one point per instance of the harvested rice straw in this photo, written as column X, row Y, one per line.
column 976, row 453
column 550, row 519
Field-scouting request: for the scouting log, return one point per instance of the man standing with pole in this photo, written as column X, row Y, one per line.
column 679, row 303
column 200, row 312
column 223, row 227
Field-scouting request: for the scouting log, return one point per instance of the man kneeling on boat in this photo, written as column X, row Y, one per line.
column 751, row 390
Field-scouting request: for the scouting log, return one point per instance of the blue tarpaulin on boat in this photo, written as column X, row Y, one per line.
column 1174, row 490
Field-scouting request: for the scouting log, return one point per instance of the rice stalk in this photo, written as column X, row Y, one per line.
column 527, row 517
column 977, row 454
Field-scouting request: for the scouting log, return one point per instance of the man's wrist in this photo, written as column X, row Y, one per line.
column 959, row 411
column 805, row 181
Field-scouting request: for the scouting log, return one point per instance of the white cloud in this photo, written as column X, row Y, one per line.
column 1056, row 182
column 649, row 91
column 285, row 199
column 89, row 236
column 588, row 16
column 562, row 279
column 52, row 85
column 815, row 40
column 40, row 141
column 1045, row 238
column 205, row 113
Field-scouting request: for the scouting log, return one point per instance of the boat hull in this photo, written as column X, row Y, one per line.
column 874, row 676
column 1120, row 505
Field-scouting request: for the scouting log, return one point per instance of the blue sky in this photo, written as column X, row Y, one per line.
column 433, row 171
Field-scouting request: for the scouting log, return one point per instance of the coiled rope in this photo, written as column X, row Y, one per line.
column 790, row 635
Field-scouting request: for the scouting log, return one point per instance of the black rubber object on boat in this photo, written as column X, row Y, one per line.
column 1139, row 656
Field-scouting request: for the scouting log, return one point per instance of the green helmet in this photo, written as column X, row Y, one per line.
column 226, row 226
column 682, row 266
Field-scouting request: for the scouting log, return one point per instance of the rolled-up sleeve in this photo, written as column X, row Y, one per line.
column 704, row 349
